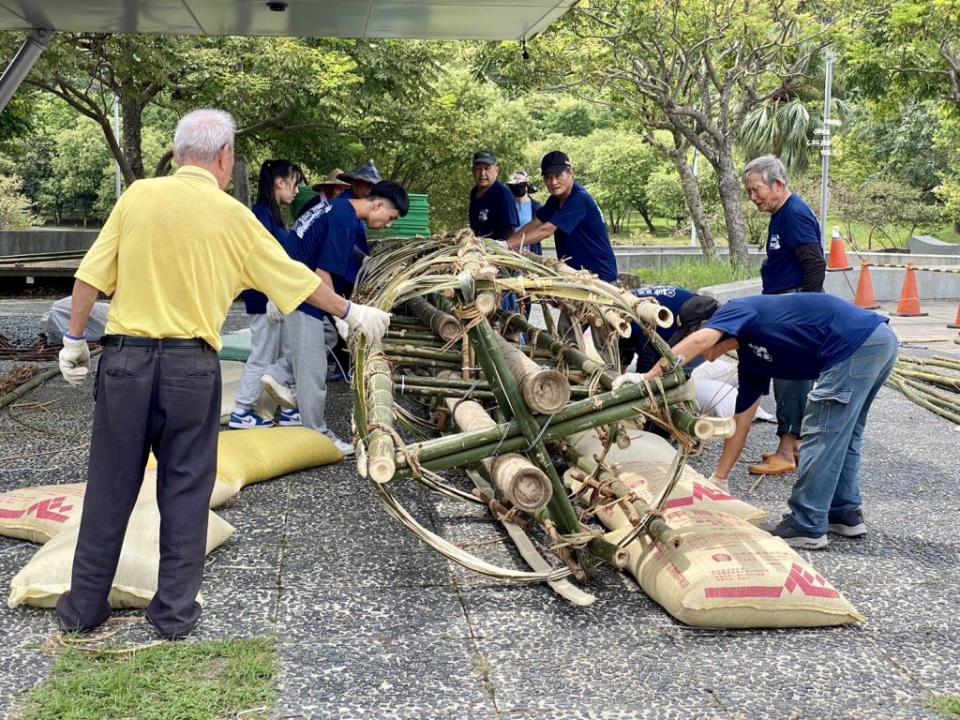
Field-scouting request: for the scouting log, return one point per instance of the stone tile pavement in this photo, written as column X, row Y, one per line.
column 371, row 624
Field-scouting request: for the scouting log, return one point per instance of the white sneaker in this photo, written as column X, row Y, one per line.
column 279, row 392
column 342, row 445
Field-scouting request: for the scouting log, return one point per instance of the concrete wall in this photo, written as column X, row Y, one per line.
column 658, row 258
column 42, row 240
column 926, row 245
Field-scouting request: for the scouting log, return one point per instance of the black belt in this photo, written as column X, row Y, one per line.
column 160, row 343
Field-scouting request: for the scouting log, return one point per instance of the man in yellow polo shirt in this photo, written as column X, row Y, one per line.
column 174, row 254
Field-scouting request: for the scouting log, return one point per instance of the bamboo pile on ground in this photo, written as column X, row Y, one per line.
column 496, row 395
column 932, row 383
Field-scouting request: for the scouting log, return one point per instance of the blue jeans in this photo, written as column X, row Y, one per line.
column 791, row 397
column 829, row 477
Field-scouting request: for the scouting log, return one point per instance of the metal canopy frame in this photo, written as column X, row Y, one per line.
column 403, row 19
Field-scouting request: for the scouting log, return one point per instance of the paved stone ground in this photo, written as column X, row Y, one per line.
column 371, row 624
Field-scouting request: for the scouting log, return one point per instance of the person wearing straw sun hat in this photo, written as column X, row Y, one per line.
column 332, row 186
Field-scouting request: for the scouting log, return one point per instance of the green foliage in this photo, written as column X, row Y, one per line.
column 695, row 274
column 889, row 212
column 178, row 681
column 15, row 212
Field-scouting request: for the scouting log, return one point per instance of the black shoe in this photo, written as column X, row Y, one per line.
column 849, row 524
column 172, row 635
column 69, row 620
column 798, row 538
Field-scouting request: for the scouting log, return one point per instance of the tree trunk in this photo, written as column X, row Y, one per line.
column 241, row 182
column 645, row 214
column 131, row 112
column 691, row 195
column 729, row 185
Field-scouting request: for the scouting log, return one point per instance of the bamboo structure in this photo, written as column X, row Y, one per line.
column 926, row 382
column 495, row 394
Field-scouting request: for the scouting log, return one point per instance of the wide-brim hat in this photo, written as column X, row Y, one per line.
column 365, row 173
column 332, row 178
column 692, row 313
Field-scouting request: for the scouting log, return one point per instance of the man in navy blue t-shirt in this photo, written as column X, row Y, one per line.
column 493, row 213
column 323, row 239
column 638, row 343
column 847, row 350
column 573, row 218
column 794, row 264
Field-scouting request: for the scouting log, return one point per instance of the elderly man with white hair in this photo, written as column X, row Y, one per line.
column 174, row 254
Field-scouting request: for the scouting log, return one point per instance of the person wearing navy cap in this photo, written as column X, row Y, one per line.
column 848, row 351
column 492, row 213
column 572, row 216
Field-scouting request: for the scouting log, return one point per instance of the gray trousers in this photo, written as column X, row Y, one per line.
column 265, row 350
column 166, row 400
column 791, row 397
column 308, row 355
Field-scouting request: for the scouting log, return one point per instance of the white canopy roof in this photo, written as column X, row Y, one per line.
column 440, row 19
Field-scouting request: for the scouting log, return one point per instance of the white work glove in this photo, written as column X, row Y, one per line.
column 74, row 360
column 273, row 313
column 369, row 321
column 627, row 379
column 343, row 330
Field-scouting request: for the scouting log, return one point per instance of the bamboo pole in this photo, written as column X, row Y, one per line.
column 410, row 350
column 444, row 326
column 495, row 368
column 545, row 391
column 380, row 443
column 516, row 480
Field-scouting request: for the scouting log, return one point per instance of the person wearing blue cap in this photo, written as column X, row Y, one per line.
column 848, row 351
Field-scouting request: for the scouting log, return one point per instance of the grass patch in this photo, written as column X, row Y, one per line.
column 694, row 274
column 177, row 681
column 946, row 706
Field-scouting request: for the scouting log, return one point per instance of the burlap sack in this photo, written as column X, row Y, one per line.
column 245, row 457
column 730, row 574
column 39, row 513
column 47, row 575
column 644, row 467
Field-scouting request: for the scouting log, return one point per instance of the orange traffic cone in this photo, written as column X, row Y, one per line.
column 955, row 323
column 865, row 297
column 909, row 305
column 838, row 253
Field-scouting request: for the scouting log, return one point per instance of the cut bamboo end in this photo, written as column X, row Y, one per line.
column 711, row 428
column 654, row 314
column 521, row 483
column 486, row 303
column 618, row 322
column 381, row 469
column 546, row 391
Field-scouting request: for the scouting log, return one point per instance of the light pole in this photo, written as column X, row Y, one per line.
column 825, row 144
column 116, row 134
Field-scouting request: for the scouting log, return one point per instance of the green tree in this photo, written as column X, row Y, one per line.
column 15, row 212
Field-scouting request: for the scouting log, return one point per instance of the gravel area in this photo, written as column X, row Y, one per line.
column 372, row 624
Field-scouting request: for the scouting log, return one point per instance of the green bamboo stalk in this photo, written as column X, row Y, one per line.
column 619, row 404
column 557, row 348
column 898, row 384
column 408, row 350
column 444, row 326
column 419, row 362
column 934, row 379
column 505, row 386
column 950, row 404
column 440, row 392
column 401, row 336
